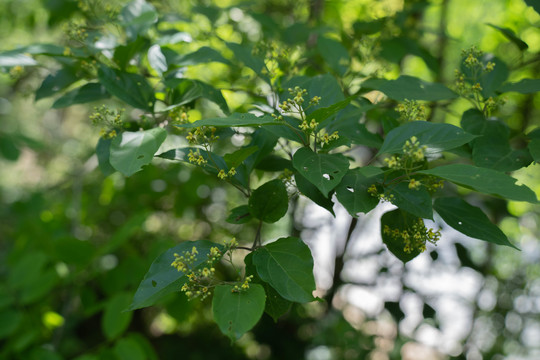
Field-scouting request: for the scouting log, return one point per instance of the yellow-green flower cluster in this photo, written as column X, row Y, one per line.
column 108, row 119
column 202, row 135
column 75, row 31
column 413, row 153
column 415, row 237
column 433, row 184
column 325, row 138
column 411, row 110
column 179, row 115
column 468, row 85
column 16, row 71
column 196, row 158
column 374, row 191
column 244, row 286
column 200, row 279
column 308, row 127
column 414, row 184
column 223, row 175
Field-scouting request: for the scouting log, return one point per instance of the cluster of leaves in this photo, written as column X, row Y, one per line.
column 289, row 149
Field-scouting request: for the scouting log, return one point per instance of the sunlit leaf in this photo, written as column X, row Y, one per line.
column 130, row 151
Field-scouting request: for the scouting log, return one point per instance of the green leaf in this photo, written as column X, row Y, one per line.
column 534, row 4
column 15, row 58
column 182, row 154
column 128, row 87
column 483, row 180
column 347, row 124
column 103, row 153
column 237, row 312
column 236, row 158
column 8, row 148
column 123, row 54
column 525, row 86
column 511, row 35
column 185, row 91
column 10, row 320
column 130, row 151
column 57, row 82
column 325, row 171
column 410, row 88
column 492, row 149
column 534, row 149
column 437, row 137
column 269, row 202
column 287, row 265
column 202, row 55
column 322, row 114
column 400, row 220
column 274, row 163
column 157, row 60
column 239, row 215
column 129, row 349
column 85, row 94
column 115, row 321
column 235, row 119
column 137, row 17
column 163, row 279
column 469, row 220
column 312, row 192
column 244, row 54
column 415, row 201
column 325, row 86
column 493, row 80
column 276, row 306
column 334, row 53
column 352, row 191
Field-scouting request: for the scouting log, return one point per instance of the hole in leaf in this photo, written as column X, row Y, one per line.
column 154, row 283
column 140, row 157
column 328, row 177
column 460, row 223
column 350, row 189
column 305, row 168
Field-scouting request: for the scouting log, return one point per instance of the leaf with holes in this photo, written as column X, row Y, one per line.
column 325, row 171
column 130, row 151
column 163, row 279
column 469, row 220
column 237, row 312
column 352, row 191
column 309, row 190
column 287, row 265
